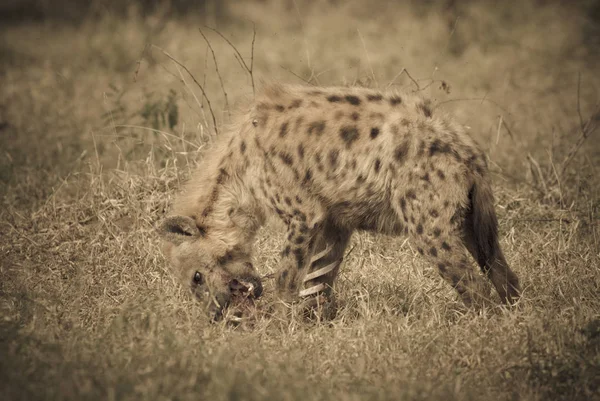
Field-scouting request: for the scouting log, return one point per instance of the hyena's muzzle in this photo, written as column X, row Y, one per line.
column 230, row 293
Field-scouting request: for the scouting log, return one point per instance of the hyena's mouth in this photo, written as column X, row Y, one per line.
column 248, row 287
column 241, row 296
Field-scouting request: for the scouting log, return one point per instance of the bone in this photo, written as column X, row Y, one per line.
column 319, row 255
column 319, row 272
column 312, row 290
column 322, row 271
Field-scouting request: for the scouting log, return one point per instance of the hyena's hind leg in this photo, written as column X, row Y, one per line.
column 434, row 231
column 446, row 250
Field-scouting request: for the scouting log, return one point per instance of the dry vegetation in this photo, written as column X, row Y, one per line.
column 90, row 158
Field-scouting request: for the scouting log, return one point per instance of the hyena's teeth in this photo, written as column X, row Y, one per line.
column 249, row 287
column 235, row 319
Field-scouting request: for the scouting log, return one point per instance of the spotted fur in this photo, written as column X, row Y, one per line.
column 328, row 161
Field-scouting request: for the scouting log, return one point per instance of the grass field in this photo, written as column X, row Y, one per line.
column 99, row 126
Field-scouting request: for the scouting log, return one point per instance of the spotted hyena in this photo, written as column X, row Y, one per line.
column 329, row 161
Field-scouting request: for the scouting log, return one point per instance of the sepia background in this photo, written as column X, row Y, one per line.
column 104, row 107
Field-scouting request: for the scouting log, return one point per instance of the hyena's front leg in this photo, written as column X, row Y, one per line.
column 326, row 260
column 295, row 257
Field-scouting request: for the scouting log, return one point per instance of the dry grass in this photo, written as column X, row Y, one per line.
column 89, row 310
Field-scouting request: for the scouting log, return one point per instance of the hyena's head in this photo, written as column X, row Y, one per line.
column 216, row 274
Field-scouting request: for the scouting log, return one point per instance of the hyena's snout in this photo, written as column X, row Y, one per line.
column 240, row 292
column 246, row 287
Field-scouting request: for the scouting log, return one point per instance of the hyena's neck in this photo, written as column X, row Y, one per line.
column 227, row 210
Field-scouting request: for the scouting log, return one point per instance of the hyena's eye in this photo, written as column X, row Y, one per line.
column 198, row 279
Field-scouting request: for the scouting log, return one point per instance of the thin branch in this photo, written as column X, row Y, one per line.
column 578, row 108
column 405, row 71
column 507, row 176
column 166, row 134
column 205, row 66
column 368, row 58
column 238, row 55
column 484, row 97
column 218, row 73
column 296, row 75
column 537, row 171
column 436, row 69
column 473, row 99
column 349, row 252
column 443, row 84
column 588, row 128
column 230, row 45
column 306, row 49
column 498, row 130
column 198, row 102
column 252, row 55
column 139, row 63
column 556, row 177
column 196, row 82
column 508, row 130
column 451, row 34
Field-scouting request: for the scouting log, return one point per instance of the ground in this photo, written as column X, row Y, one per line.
column 98, row 130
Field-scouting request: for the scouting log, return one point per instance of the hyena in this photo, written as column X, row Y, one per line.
column 328, row 161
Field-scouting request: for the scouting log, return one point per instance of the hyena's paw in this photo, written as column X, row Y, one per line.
column 316, row 308
column 319, row 308
column 476, row 294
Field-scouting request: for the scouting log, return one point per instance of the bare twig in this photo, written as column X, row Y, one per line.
column 586, row 130
column 205, row 66
column 447, row 45
column 508, row 130
column 578, row 108
column 443, row 84
column 296, row 75
column 238, row 55
column 306, row 49
column 498, row 130
column 473, row 99
column 405, row 71
column 217, row 70
column 185, row 84
column 484, row 97
column 139, row 63
column 368, row 58
column 252, row 54
column 556, row 177
column 196, row 82
column 536, row 171
column 452, row 32
column 350, row 251
column 165, row 134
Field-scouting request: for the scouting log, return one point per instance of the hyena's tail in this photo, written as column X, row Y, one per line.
column 485, row 246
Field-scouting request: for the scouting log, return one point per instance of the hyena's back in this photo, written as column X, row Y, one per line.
column 362, row 153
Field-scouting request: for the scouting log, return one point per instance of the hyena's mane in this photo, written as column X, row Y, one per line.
column 214, row 194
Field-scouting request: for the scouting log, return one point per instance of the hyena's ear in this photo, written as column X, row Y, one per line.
column 178, row 229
